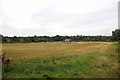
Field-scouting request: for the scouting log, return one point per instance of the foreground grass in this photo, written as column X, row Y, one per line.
column 62, row 60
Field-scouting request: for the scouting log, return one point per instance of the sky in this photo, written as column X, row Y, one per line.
column 58, row 17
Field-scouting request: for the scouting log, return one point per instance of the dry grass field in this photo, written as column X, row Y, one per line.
column 60, row 59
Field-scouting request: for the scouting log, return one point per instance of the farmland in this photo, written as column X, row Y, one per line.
column 61, row 60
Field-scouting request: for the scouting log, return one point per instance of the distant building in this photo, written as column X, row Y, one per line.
column 67, row 40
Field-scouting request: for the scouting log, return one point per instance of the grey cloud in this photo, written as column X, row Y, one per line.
column 48, row 15
column 8, row 30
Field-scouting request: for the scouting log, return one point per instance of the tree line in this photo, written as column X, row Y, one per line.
column 115, row 37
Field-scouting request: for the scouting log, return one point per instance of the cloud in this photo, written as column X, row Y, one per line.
column 62, row 17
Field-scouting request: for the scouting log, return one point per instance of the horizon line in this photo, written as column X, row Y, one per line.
column 49, row 35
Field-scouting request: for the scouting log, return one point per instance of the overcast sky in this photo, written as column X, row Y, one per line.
column 58, row 17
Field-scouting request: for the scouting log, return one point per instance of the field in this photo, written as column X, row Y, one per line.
column 61, row 60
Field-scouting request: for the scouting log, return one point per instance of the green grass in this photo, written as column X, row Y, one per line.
column 95, row 64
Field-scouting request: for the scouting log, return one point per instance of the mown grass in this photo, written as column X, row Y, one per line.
column 73, row 60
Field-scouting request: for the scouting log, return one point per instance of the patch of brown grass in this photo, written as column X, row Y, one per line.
column 24, row 50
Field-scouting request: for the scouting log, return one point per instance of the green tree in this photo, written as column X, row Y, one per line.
column 116, row 35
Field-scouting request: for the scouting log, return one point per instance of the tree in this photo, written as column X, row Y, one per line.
column 116, row 35
column 1, row 36
column 15, row 39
